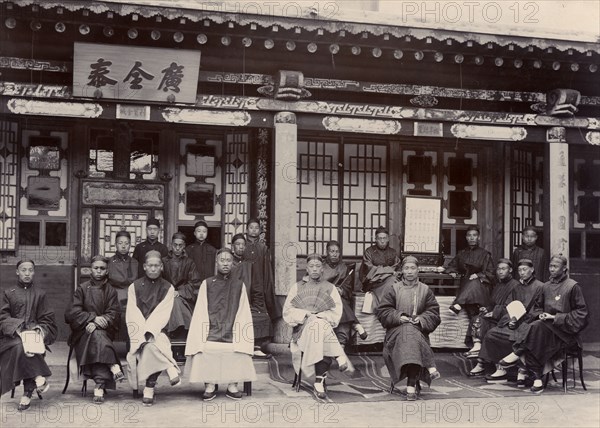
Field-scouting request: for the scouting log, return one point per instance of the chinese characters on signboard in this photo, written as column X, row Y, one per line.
column 422, row 225
column 135, row 73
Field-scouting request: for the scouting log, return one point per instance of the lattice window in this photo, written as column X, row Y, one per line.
column 342, row 201
column 110, row 223
column 522, row 193
column 317, row 194
column 236, row 186
column 365, row 195
column 8, row 185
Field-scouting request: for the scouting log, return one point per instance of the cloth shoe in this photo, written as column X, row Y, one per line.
column 478, row 370
column 98, row 395
column 148, row 398
column 362, row 333
column 435, row 375
column 210, row 392
column 233, row 392
column 455, row 309
column 25, row 402
column 41, row 384
column 320, row 388
column 499, row 376
column 538, row 386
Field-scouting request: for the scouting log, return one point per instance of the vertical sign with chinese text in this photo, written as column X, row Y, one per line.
column 422, row 224
column 135, row 73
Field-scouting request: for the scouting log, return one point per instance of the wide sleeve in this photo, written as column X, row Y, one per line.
column 577, row 318
column 430, row 317
column 159, row 317
column 333, row 315
column 387, row 314
column 8, row 324
column 112, row 307
column 291, row 315
column 76, row 316
column 45, row 319
column 486, row 276
column 452, row 266
column 366, row 265
column 189, row 290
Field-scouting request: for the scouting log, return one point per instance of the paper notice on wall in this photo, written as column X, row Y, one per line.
column 516, row 309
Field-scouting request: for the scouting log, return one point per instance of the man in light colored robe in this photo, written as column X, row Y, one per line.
column 150, row 301
column 220, row 343
column 314, row 308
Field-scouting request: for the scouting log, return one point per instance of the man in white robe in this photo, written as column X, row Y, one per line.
column 150, row 301
column 220, row 342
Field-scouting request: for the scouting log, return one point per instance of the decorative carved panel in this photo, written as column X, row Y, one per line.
column 123, row 194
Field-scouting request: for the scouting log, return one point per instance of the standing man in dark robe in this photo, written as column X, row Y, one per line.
column 336, row 272
column 498, row 340
column 530, row 250
column 475, row 265
column 560, row 314
column 263, row 297
column 24, row 308
column 378, row 264
column 150, row 244
column 201, row 252
column 221, row 340
column 148, row 312
column 181, row 272
column 489, row 315
column 122, row 271
column 410, row 313
column 94, row 319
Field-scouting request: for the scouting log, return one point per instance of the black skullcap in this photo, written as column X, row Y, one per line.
column 20, row 262
column 178, row 235
column 314, row 256
column 200, row 223
column 333, row 243
column 410, row 259
column 237, row 236
column 381, row 229
column 252, row 220
column 526, row 262
column 123, row 233
column 473, row 227
column 531, row 228
column 507, row 261
column 99, row 258
column 153, row 222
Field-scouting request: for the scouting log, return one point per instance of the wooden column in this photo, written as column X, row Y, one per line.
column 284, row 216
column 556, row 193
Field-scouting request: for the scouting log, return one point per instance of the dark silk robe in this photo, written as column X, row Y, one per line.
column 203, row 254
column 537, row 255
column 141, row 249
column 468, row 261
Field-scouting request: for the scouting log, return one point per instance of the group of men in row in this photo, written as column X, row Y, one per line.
column 221, row 300
column 552, row 313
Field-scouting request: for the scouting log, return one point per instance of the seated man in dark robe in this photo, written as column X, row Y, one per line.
column 313, row 309
column 477, row 270
column 201, row 252
column 94, row 318
column 263, row 294
column 122, row 271
column 560, row 314
column 530, row 250
column 490, row 315
column 499, row 339
column 181, row 272
column 336, row 272
column 150, row 304
column 24, row 310
column 378, row 265
column 150, row 244
column 410, row 313
column 221, row 340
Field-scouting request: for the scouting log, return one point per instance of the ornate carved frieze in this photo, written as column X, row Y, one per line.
column 425, row 100
column 285, row 117
column 288, row 86
column 206, row 117
column 367, row 126
column 15, row 63
column 12, row 89
column 123, row 194
column 593, row 138
column 515, row 133
column 45, row 108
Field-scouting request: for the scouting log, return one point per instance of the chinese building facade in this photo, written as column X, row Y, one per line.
column 111, row 114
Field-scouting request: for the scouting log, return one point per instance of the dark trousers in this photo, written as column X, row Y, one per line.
column 412, row 373
column 151, row 381
column 323, row 366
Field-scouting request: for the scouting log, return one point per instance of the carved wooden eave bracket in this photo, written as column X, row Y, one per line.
column 288, row 86
column 559, row 102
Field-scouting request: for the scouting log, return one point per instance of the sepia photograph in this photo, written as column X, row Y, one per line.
column 299, row 213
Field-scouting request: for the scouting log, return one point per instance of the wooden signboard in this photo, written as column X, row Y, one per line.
column 135, row 73
column 422, row 225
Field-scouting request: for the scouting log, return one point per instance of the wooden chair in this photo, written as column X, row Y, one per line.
column 83, row 386
column 298, row 376
column 572, row 353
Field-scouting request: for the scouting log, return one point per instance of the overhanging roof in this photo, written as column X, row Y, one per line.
column 311, row 19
